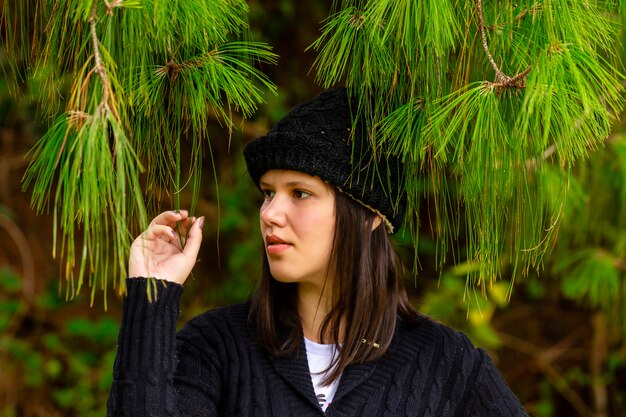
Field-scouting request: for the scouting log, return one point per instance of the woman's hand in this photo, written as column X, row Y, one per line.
column 168, row 248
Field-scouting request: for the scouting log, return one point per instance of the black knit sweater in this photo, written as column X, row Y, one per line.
column 214, row 368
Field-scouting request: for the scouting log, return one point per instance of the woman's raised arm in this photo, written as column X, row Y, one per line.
column 143, row 373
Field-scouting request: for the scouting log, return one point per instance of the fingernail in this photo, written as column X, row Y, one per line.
column 201, row 222
column 173, row 233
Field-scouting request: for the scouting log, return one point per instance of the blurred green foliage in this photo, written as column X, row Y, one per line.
column 464, row 309
column 55, row 360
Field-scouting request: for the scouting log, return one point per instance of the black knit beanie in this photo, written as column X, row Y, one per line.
column 315, row 138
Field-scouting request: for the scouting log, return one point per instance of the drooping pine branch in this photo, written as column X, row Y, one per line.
column 465, row 134
column 98, row 184
column 145, row 77
column 99, row 68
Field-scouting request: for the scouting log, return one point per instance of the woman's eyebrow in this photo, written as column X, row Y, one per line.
column 300, row 184
column 296, row 183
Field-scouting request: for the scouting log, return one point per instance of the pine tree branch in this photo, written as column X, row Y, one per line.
column 483, row 35
column 518, row 81
column 111, row 5
column 502, row 80
column 544, row 360
column 99, row 67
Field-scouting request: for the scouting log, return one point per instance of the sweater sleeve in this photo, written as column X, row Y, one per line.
column 144, row 372
column 492, row 395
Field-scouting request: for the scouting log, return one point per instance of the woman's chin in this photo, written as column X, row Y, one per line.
column 285, row 278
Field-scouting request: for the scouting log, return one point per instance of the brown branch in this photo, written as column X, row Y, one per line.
column 483, row 35
column 111, row 5
column 544, row 361
column 518, row 81
column 559, row 383
column 99, row 68
column 26, row 255
column 502, row 80
column 598, row 357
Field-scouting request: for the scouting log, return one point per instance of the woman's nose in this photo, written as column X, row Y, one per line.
column 273, row 211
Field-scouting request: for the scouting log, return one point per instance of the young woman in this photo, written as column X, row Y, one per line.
column 330, row 330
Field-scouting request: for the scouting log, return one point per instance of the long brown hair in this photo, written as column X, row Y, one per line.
column 367, row 294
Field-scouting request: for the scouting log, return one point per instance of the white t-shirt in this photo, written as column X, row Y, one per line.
column 319, row 357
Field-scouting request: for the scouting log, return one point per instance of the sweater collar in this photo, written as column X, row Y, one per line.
column 294, row 369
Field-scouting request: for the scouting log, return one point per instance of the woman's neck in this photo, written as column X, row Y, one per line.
column 313, row 306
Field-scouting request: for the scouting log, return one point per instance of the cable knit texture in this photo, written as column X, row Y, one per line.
column 214, row 368
column 315, row 138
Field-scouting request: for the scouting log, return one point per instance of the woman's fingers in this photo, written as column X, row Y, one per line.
column 184, row 225
column 194, row 239
column 186, row 232
column 159, row 231
column 170, row 218
column 168, row 248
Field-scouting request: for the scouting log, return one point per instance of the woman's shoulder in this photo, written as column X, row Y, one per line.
column 427, row 334
column 449, row 365
column 439, row 353
column 230, row 320
column 226, row 312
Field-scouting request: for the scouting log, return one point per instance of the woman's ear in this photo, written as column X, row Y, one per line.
column 377, row 221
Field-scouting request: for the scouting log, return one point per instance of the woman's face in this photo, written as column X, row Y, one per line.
column 297, row 225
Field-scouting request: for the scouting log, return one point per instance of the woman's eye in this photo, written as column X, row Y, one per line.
column 268, row 194
column 300, row 194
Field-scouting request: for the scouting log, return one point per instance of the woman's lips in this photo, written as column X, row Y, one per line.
column 275, row 245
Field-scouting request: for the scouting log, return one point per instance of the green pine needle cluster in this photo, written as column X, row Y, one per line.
column 145, row 77
column 97, row 187
column 489, row 104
